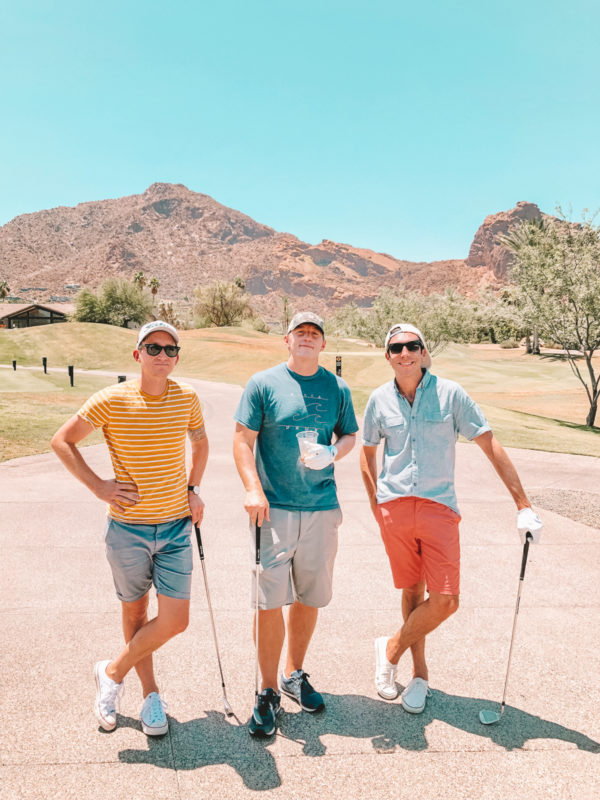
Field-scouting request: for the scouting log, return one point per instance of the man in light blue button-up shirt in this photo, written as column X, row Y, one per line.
column 418, row 416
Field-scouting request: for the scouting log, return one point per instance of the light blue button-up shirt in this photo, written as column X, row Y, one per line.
column 420, row 440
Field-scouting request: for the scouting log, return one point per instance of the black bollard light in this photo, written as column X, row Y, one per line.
column 338, row 365
column 45, row 364
column 14, row 365
column 71, row 376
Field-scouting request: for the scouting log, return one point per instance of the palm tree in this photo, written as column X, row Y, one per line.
column 4, row 289
column 139, row 279
column 154, row 283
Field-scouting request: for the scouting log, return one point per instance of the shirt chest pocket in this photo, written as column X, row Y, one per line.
column 395, row 431
column 438, row 429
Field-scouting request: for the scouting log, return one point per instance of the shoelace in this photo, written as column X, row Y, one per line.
column 157, row 709
column 387, row 673
column 112, row 701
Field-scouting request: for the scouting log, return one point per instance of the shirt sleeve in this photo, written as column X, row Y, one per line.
column 346, row 422
column 196, row 420
column 96, row 410
column 250, row 410
column 469, row 419
column 371, row 435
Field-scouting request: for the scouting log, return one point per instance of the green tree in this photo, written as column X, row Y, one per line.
column 139, row 280
column 221, row 303
column 4, row 289
column 117, row 302
column 558, row 272
column 167, row 313
column 153, row 285
column 441, row 318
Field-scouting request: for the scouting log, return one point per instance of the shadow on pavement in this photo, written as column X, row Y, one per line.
column 213, row 740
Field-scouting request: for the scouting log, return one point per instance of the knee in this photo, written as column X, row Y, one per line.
column 446, row 605
column 179, row 624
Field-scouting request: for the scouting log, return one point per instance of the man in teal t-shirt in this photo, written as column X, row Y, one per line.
column 293, row 498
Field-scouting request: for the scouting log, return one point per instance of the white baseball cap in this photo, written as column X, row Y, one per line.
column 152, row 327
column 405, row 327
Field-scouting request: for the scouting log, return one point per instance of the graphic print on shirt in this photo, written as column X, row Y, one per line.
column 313, row 415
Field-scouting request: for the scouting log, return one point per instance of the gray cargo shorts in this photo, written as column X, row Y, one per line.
column 297, row 553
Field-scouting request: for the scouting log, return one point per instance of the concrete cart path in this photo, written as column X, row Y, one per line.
column 58, row 615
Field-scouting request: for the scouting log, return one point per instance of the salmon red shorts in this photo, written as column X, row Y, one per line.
column 422, row 543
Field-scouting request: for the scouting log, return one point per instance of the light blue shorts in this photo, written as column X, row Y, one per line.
column 142, row 555
column 297, row 553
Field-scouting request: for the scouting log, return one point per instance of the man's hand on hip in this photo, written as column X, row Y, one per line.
column 529, row 522
column 119, row 495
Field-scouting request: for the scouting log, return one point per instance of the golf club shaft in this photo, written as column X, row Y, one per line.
column 528, row 539
column 212, row 620
column 257, row 567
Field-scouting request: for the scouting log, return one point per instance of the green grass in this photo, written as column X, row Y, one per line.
column 33, row 406
column 531, row 402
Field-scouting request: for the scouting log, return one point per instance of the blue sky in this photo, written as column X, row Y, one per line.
column 380, row 124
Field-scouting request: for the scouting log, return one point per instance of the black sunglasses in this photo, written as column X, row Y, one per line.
column 412, row 346
column 154, row 349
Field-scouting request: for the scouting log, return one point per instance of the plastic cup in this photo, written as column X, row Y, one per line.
column 305, row 438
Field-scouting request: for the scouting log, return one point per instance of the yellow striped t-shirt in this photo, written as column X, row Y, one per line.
column 146, row 439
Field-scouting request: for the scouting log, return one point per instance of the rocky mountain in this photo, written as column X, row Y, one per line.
column 487, row 249
column 187, row 239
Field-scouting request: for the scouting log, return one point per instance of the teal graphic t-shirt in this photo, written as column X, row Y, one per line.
column 279, row 403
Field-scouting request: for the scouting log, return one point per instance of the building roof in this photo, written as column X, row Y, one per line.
column 11, row 309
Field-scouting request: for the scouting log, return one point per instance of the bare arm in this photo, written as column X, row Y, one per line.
column 199, row 442
column 344, row 444
column 256, row 504
column 504, row 467
column 64, row 443
column 368, row 470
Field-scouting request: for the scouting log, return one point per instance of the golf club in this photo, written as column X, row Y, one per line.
column 486, row 716
column 257, row 530
column 228, row 709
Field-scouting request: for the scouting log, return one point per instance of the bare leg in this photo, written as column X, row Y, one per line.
column 271, row 633
column 301, row 624
column 172, row 618
column 424, row 619
column 411, row 598
column 135, row 616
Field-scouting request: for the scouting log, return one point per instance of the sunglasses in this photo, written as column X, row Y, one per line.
column 154, row 349
column 396, row 347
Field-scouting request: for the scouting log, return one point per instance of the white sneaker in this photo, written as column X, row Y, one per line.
column 154, row 719
column 108, row 695
column 414, row 697
column 385, row 673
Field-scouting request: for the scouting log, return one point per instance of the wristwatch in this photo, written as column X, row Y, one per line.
column 194, row 489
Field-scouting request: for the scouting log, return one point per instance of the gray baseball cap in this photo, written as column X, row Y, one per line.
column 156, row 325
column 306, row 317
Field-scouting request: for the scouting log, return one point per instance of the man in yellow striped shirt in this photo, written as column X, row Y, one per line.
column 152, row 502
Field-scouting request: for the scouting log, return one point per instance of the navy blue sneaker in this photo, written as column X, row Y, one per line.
column 262, row 721
column 299, row 689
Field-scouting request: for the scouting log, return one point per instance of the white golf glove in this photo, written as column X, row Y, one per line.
column 529, row 522
column 319, row 456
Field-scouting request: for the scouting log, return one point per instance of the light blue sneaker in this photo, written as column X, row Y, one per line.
column 154, row 719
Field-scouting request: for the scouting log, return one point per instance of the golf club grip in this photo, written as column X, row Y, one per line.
column 257, row 532
column 199, row 540
column 528, row 540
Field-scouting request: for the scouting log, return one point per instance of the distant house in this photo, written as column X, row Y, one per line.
column 26, row 315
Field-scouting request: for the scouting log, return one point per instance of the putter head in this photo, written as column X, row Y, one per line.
column 228, row 709
column 487, row 717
